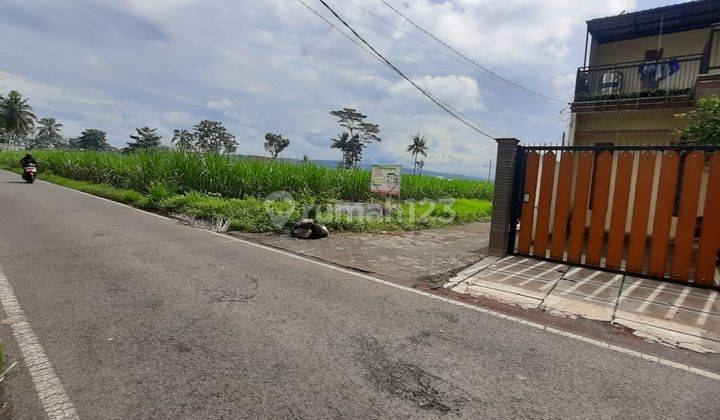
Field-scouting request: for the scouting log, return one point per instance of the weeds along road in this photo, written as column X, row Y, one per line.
column 142, row 317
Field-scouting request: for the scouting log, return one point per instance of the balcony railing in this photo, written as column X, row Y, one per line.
column 668, row 77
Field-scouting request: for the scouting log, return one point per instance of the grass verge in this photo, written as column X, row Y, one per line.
column 236, row 177
column 251, row 214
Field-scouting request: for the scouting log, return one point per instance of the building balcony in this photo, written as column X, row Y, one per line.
column 661, row 83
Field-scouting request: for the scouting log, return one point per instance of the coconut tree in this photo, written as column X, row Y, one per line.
column 418, row 147
column 16, row 115
column 48, row 127
column 341, row 142
column 48, row 133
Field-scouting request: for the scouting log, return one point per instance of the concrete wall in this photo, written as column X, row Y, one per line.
column 626, row 127
column 675, row 44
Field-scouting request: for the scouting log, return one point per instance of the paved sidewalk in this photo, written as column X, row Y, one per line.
column 680, row 315
column 402, row 257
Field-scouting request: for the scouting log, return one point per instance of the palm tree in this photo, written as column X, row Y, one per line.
column 49, row 128
column 183, row 140
column 342, row 142
column 16, row 116
column 47, row 134
column 416, row 148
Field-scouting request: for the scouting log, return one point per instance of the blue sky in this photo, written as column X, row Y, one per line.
column 272, row 66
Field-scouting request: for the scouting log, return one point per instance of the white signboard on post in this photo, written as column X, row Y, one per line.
column 385, row 179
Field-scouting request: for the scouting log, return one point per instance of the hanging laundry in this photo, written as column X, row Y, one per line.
column 660, row 71
column 651, row 73
column 673, row 66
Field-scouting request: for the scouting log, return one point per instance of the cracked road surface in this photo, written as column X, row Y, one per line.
column 143, row 317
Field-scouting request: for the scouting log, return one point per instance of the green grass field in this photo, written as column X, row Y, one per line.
column 198, row 187
column 232, row 177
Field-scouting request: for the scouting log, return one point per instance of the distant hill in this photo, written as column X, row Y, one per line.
column 367, row 166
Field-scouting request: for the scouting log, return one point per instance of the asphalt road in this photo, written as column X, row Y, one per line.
column 142, row 317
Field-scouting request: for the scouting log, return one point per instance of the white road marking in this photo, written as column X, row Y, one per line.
column 603, row 287
column 702, row 319
column 586, row 279
column 574, row 286
column 630, row 288
column 549, row 284
column 511, row 265
column 52, row 395
column 512, row 274
column 650, row 299
column 573, row 271
column 597, row 343
column 677, row 304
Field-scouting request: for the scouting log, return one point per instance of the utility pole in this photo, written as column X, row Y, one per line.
column 490, row 170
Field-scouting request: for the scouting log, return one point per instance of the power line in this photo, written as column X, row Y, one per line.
column 398, row 71
column 353, row 40
column 471, row 61
column 382, row 19
column 382, row 61
column 407, row 33
column 410, row 35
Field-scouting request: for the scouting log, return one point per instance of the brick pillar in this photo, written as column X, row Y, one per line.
column 502, row 199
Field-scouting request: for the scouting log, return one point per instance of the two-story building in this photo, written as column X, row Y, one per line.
column 641, row 69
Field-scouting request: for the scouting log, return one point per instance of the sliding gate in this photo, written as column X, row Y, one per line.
column 649, row 211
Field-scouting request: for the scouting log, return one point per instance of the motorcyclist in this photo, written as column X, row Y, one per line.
column 28, row 160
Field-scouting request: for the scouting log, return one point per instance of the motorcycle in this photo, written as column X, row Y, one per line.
column 29, row 173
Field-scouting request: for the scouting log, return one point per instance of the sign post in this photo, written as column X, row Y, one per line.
column 385, row 180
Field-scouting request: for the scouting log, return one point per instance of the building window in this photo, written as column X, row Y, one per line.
column 654, row 55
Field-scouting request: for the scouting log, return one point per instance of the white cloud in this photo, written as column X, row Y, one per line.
column 564, row 83
column 46, row 93
column 178, row 118
column 224, row 104
column 272, row 65
column 503, row 32
column 155, row 8
column 461, row 92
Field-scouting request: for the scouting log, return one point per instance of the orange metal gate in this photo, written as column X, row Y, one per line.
column 651, row 211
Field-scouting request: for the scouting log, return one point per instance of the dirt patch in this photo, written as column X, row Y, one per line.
column 405, row 258
column 243, row 294
column 409, row 381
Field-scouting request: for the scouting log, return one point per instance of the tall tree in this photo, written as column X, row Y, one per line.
column 343, row 142
column 146, row 138
column 47, row 134
column 212, row 136
column 275, row 144
column 16, row 117
column 91, row 139
column 183, row 140
column 48, row 127
column 417, row 148
column 361, row 133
